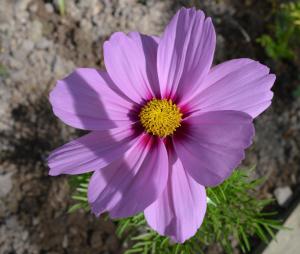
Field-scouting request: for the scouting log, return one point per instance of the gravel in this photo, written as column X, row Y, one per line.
column 38, row 46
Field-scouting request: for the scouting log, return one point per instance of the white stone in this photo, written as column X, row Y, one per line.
column 283, row 194
column 287, row 240
column 5, row 184
column 49, row 8
column 27, row 46
column 65, row 242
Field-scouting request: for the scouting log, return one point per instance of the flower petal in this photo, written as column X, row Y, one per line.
column 240, row 84
column 185, row 53
column 180, row 209
column 87, row 99
column 212, row 144
column 91, row 152
column 130, row 184
column 131, row 62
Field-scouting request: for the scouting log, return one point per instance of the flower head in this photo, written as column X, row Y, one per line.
column 164, row 123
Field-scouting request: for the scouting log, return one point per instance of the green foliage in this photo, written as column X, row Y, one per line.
column 294, row 10
column 62, row 7
column 284, row 34
column 233, row 213
column 276, row 49
column 296, row 93
column 3, row 71
column 237, row 213
column 79, row 184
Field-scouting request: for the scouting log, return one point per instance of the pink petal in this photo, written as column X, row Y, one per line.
column 91, row 152
column 87, row 99
column 212, row 144
column 131, row 63
column 240, row 84
column 180, row 209
column 130, row 184
column 185, row 53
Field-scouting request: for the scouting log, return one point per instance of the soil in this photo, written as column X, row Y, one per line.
column 39, row 45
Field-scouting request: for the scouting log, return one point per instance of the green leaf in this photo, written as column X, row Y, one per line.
column 122, row 228
column 139, row 250
column 244, row 238
column 3, row 71
column 80, row 198
column 74, row 208
column 261, row 233
column 62, row 7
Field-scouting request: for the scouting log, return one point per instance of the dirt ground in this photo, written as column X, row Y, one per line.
column 39, row 46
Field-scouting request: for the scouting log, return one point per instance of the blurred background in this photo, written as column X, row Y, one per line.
column 44, row 40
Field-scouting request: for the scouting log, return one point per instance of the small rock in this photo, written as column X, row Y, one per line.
column 5, row 184
column 2, row 210
column 22, row 5
column 12, row 223
column 33, row 8
column 283, row 195
column 49, row 8
column 35, row 221
column 15, row 64
column 36, row 31
column 65, row 242
column 62, row 66
column 28, row 45
column 85, row 25
column 25, row 235
column 97, row 8
column 43, row 43
column 112, row 243
column 96, row 239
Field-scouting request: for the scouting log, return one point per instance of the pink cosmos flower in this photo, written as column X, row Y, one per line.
column 164, row 123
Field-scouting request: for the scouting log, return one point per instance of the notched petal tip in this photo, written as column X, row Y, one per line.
column 238, row 84
column 185, row 53
column 131, row 62
column 180, row 209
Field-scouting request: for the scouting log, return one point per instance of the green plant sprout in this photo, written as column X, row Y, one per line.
column 233, row 212
column 61, row 7
column 286, row 32
column 80, row 184
column 296, row 93
column 3, row 71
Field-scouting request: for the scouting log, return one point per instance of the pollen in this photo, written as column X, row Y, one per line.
column 160, row 117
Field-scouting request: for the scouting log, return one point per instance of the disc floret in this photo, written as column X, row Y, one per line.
column 160, row 117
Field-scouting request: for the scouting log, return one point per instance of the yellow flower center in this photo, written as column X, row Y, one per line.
column 160, row 117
